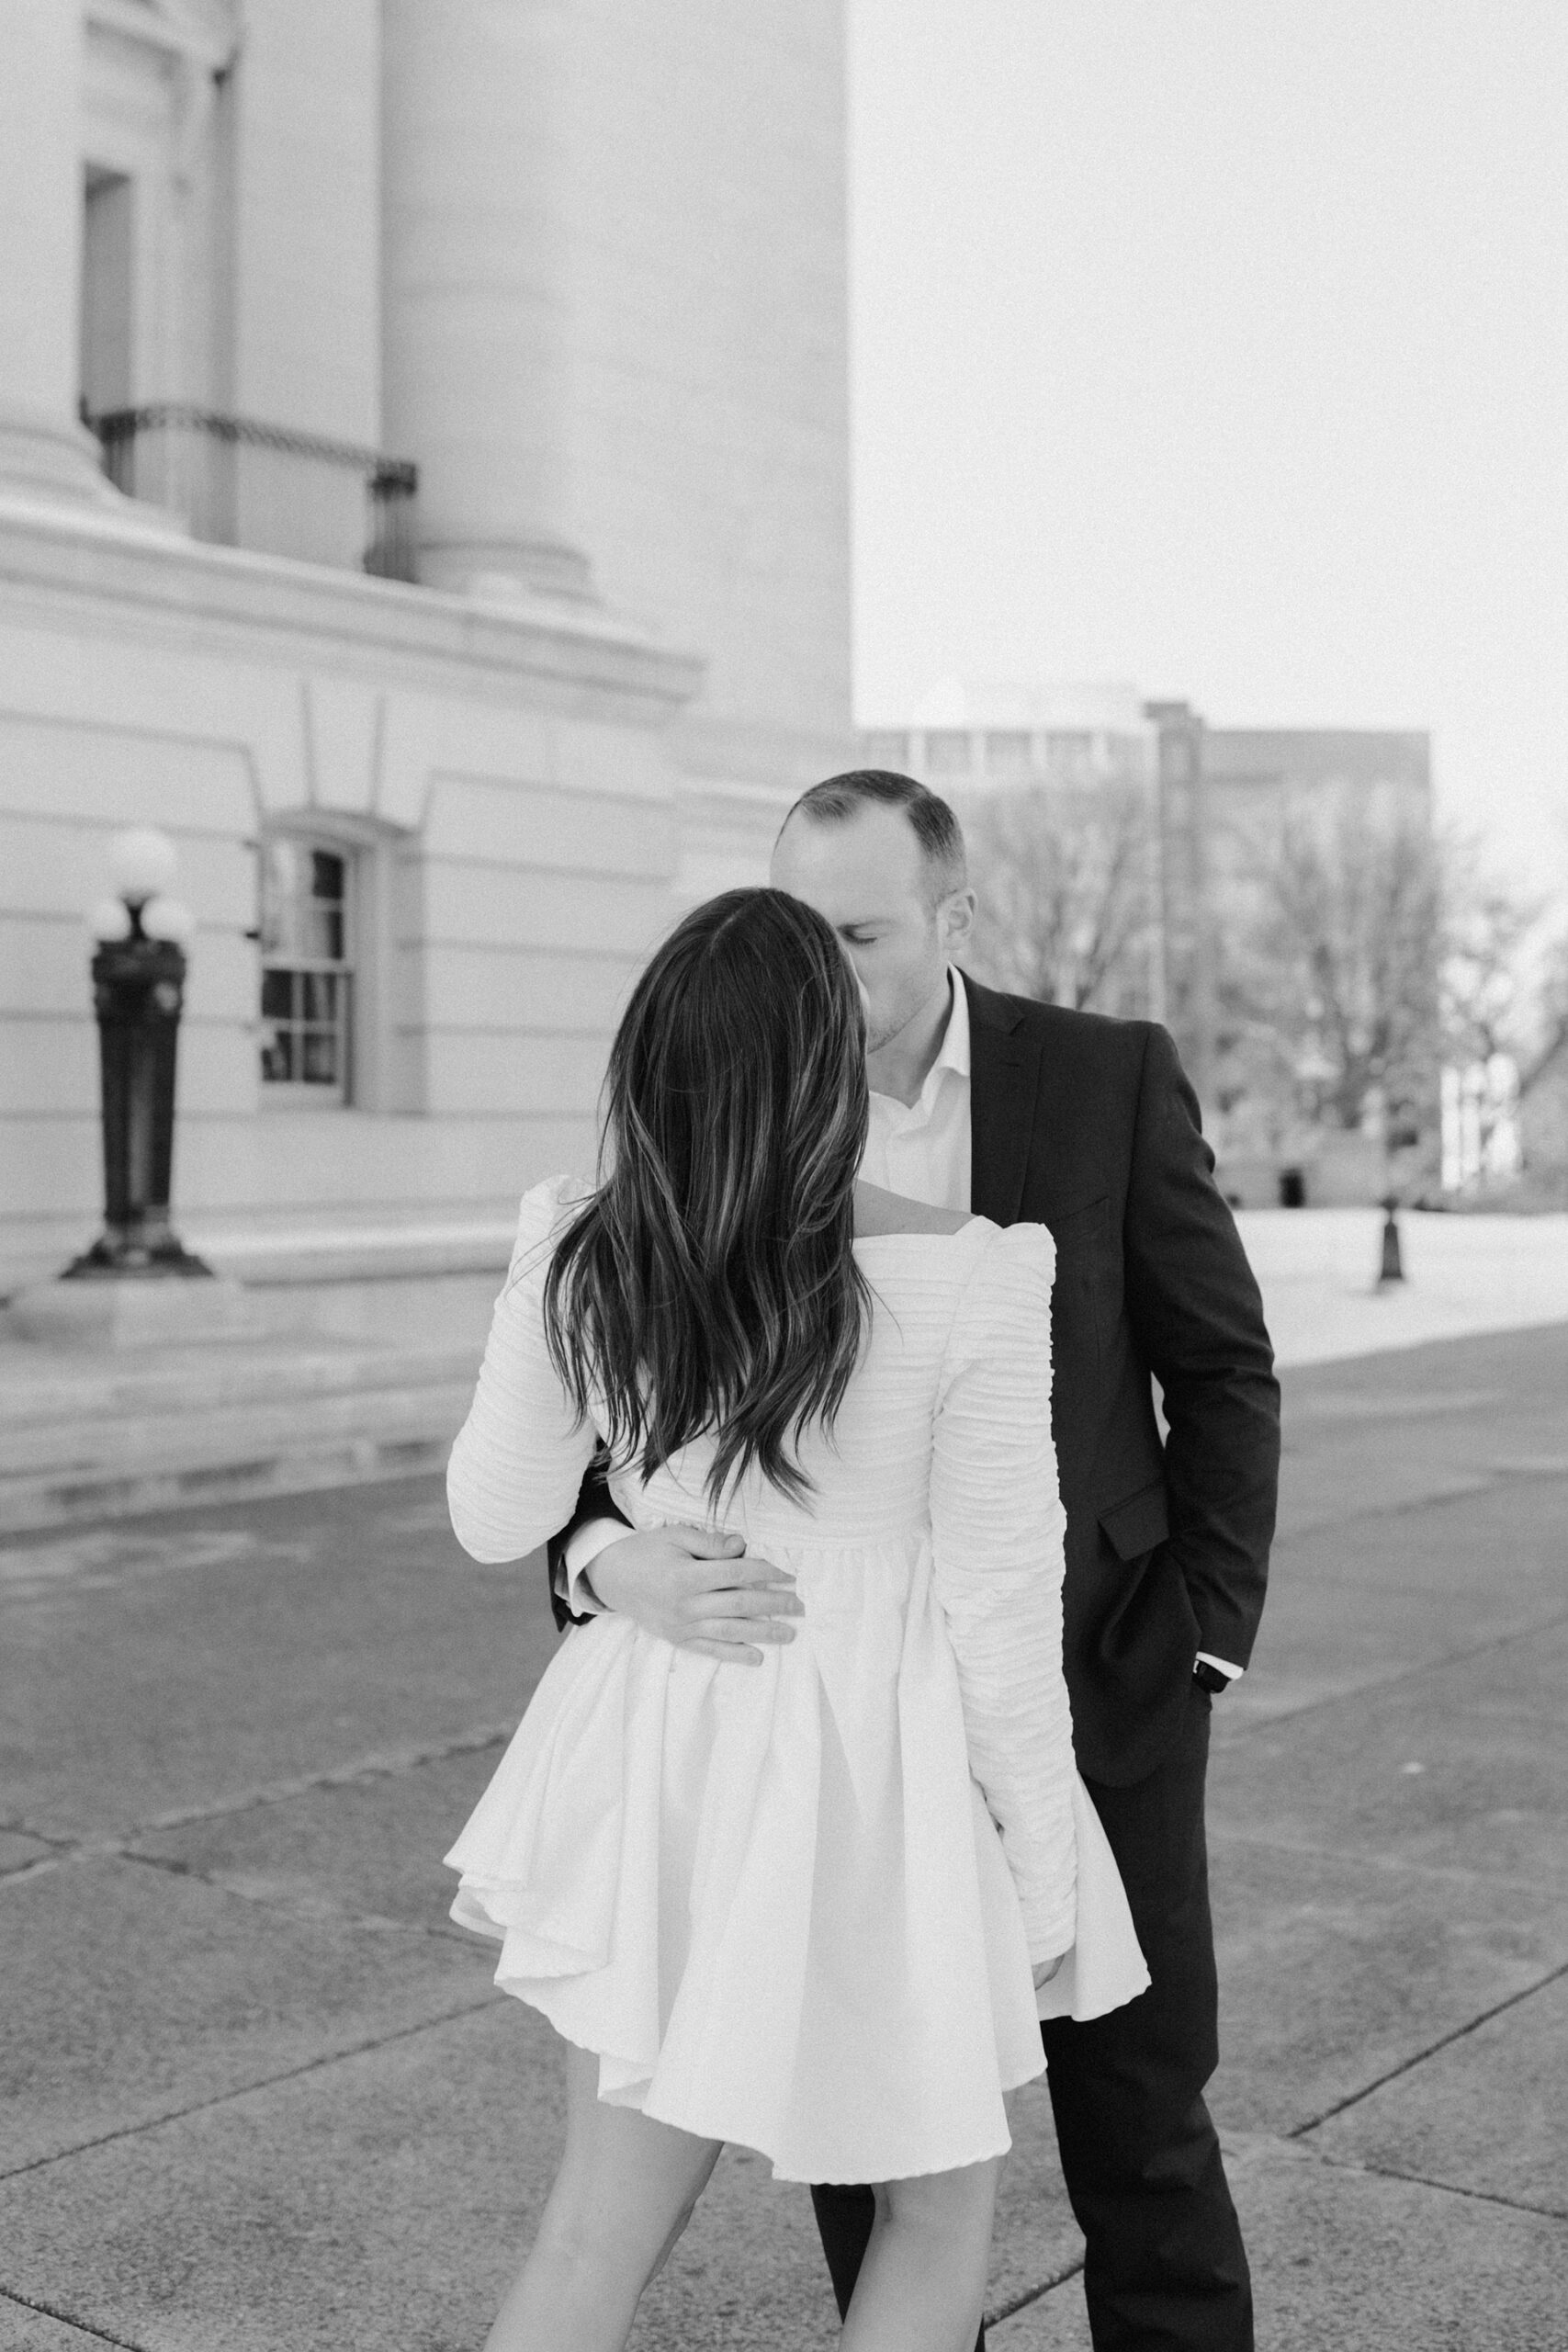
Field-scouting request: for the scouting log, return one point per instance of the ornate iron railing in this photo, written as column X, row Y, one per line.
column 244, row 484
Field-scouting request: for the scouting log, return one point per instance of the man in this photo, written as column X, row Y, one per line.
column 1021, row 1111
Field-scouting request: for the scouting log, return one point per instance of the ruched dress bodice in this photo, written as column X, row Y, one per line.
column 796, row 1904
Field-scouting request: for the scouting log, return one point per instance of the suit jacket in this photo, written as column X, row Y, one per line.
column 1088, row 1126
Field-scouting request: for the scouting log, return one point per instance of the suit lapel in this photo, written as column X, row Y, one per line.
column 1004, row 1084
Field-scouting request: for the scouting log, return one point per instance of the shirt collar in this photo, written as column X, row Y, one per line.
column 954, row 1054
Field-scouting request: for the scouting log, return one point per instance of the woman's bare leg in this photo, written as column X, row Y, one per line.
column 624, row 2192
column 923, row 2284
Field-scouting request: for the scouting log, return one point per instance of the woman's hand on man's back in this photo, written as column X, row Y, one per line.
column 699, row 1591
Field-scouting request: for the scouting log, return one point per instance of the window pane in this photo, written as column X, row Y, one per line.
column 278, row 1056
column 326, row 874
column 318, row 991
column 320, row 1057
column 323, row 927
column 280, row 875
column 277, row 995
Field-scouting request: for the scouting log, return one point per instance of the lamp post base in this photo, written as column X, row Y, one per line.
column 109, row 1309
column 116, row 1256
column 1392, row 1266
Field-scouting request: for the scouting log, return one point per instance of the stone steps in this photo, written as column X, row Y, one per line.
column 39, row 1387
column 91, row 1440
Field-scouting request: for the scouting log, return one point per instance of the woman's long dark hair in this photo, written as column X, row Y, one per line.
column 710, row 1286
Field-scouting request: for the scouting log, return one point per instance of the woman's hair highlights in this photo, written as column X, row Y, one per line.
column 710, row 1286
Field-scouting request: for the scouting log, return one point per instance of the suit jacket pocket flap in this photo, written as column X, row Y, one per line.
column 1136, row 1525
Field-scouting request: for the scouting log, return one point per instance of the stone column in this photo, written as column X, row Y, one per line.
column 475, row 301
column 44, row 452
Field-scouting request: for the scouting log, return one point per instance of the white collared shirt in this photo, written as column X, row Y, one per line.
column 922, row 1148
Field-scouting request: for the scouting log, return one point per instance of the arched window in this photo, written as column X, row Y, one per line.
column 306, row 954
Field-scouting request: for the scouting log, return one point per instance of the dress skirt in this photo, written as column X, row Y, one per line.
column 771, row 1899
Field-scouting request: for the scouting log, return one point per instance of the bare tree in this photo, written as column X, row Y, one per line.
column 1064, row 878
column 1486, row 931
column 1350, row 953
column 1546, row 1044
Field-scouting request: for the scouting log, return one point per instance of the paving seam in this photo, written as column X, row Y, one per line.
column 385, row 1766
column 245, row 2090
column 1224, row 1836
column 1463, row 1486
column 1248, row 1730
column 66, row 2319
column 1032, row 2295
column 1447, row 2188
column 1445, row 2041
column 309, row 1914
column 391, row 1765
column 1478, row 1482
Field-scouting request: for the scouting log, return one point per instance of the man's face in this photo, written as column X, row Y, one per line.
column 867, row 876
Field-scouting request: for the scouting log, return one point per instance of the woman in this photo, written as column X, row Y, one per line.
column 806, row 1906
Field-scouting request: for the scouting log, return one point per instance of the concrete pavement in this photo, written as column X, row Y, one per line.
column 1466, row 1275
column 258, row 2094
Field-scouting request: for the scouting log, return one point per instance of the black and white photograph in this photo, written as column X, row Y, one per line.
column 784, row 1175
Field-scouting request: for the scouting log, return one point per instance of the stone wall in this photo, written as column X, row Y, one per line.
column 518, row 827
column 530, row 770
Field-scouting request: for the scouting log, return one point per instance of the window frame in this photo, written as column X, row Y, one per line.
column 301, row 1093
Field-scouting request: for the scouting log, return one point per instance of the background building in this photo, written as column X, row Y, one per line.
column 1150, row 877
column 440, row 762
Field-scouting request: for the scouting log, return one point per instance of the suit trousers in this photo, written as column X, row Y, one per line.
column 1165, row 2270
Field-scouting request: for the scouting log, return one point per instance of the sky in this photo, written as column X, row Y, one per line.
column 1221, row 345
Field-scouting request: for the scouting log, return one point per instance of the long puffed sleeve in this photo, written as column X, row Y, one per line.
column 997, row 1531
column 515, row 1472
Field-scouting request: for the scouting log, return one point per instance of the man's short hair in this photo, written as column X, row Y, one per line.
column 931, row 821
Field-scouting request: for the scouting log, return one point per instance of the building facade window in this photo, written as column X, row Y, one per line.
column 307, row 979
column 1008, row 752
column 948, row 750
column 1069, row 755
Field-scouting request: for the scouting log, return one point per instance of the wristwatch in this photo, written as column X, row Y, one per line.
column 1209, row 1677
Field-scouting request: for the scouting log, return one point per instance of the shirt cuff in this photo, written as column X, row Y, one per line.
column 1205, row 1657
column 583, row 1547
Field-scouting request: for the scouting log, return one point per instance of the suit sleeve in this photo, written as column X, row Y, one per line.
column 1197, row 1314
column 594, row 1501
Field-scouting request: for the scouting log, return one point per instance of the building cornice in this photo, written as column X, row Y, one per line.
column 108, row 574
column 205, row 32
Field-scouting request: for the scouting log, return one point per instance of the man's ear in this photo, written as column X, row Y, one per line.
column 956, row 919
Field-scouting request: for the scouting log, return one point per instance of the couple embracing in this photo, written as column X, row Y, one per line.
column 868, row 1784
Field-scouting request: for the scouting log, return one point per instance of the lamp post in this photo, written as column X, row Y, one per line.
column 138, row 988
column 1398, row 1140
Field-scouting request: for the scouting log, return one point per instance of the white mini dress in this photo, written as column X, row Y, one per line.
column 796, row 1906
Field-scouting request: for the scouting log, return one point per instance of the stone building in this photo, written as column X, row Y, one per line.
column 456, row 569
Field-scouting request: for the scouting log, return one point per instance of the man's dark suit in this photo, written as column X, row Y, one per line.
column 1088, row 1126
